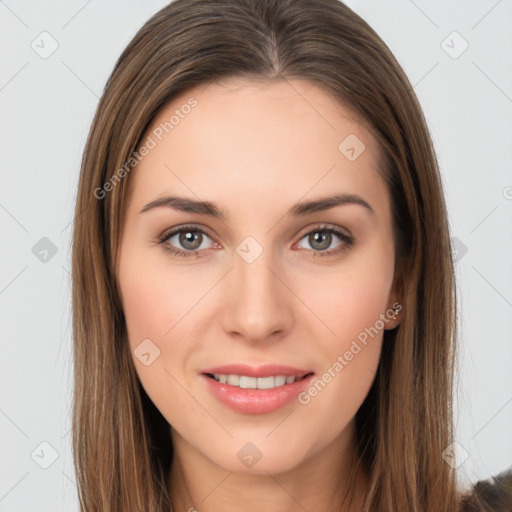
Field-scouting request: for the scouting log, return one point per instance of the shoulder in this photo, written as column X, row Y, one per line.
column 491, row 495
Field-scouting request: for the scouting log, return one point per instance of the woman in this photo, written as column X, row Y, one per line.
column 263, row 290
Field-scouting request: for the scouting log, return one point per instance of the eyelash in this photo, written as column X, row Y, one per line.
column 348, row 241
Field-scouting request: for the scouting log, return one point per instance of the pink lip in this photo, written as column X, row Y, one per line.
column 266, row 370
column 256, row 401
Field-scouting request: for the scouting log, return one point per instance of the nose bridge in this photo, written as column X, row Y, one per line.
column 253, row 275
column 254, row 281
column 257, row 305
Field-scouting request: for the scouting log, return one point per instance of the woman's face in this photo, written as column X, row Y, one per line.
column 259, row 279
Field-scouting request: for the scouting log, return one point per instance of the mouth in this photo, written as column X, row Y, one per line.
column 256, row 390
column 248, row 382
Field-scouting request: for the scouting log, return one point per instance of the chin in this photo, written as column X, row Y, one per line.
column 253, row 458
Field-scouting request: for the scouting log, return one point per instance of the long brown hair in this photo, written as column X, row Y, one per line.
column 121, row 443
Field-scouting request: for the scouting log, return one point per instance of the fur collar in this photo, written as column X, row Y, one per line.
column 491, row 495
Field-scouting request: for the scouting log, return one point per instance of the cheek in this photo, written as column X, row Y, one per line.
column 153, row 299
column 350, row 298
column 153, row 304
column 159, row 305
column 351, row 301
column 352, row 309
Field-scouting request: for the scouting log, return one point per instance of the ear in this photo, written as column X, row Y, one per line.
column 395, row 301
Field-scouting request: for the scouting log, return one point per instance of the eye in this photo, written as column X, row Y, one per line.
column 322, row 237
column 185, row 241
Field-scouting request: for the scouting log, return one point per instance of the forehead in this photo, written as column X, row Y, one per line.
column 246, row 138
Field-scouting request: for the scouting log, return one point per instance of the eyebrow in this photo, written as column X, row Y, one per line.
column 211, row 209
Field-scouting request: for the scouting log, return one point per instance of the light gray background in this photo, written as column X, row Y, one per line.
column 47, row 106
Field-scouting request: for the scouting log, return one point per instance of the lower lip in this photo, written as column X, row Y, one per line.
column 256, row 401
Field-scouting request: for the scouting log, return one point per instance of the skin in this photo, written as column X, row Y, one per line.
column 256, row 149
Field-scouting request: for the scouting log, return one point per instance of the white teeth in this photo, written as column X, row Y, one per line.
column 280, row 380
column 267, row 382
column 248, row 382
column 245, row 382
column 233, row 380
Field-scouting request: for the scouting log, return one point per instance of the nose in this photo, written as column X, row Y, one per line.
column 258, row 305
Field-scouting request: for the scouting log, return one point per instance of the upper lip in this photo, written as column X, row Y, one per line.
column 265, row 370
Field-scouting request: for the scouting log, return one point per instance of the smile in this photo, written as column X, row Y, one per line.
column 246, row 382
